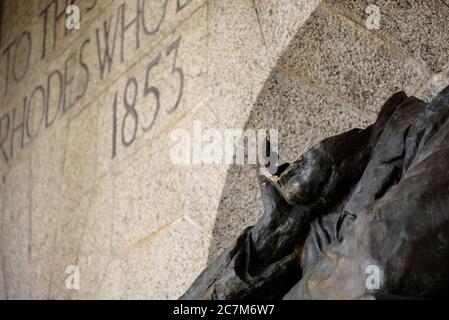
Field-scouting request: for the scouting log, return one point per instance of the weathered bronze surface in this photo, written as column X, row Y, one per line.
column 368, row 197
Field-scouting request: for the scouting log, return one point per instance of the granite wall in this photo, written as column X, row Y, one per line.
column 87, row 118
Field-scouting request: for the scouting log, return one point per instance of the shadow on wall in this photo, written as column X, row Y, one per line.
column 294, row 109
column 280, row 105
column 333, row 76
column 305, row 112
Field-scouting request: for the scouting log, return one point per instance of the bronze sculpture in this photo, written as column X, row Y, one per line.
column 377, row 196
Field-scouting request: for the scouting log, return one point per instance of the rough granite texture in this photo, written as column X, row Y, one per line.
column 137, row 224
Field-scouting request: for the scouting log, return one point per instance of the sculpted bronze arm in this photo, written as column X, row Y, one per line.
column 323, row 174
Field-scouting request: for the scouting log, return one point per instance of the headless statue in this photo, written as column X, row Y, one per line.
column 368, row 202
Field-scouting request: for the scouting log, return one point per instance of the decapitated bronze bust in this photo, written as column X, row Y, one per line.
column 368, row 200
